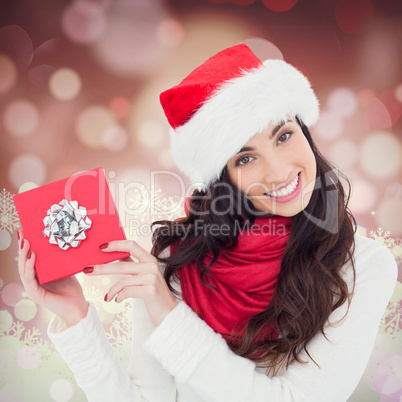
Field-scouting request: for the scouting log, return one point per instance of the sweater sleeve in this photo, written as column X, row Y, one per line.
column 95, row 365
column 198, row 357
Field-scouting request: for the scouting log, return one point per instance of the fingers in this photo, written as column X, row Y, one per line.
column 23, row 248
column 143, row 286
column 20, row 235
column 129, row 246
column 126, row 259
column 26, row 268
column 124, row 268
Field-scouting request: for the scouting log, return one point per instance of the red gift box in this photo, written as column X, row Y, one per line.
column 90, row 190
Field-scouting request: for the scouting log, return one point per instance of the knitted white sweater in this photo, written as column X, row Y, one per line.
column 183, row 359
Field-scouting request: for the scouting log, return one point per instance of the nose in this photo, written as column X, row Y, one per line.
column 276, row 171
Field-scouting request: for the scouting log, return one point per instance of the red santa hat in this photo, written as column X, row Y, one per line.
column 224, row 102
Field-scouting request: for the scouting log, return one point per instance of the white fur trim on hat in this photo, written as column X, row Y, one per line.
column 239, row 109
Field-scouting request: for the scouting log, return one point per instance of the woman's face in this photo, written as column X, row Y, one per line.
column 276, row 170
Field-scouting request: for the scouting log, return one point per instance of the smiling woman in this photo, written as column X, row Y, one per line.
column 276, row 170
column 263, row 291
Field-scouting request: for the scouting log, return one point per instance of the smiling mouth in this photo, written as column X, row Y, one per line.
column 288, row 190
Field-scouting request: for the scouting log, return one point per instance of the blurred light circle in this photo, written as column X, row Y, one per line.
column 353, row 16
column 6, row 357
column 342, row 102
column 13, row 391
column 105, row 316
column 343, row 153
column 363, row 197
column 389, row 215
column 129, row 45
column 5, row 239
column 61, row 390
column 396, row 251
column 113, row 307
column 394, row 190
column 378, row 115
column 329, row 126
column 279, row 6
column 40, row 75
column 21, row 118
column 393, row 106
column 170, row 32
column 28, row 357
column 65, row 170
column 25, row 168
column 8, row 73
column 12, row 293
column 105, row 281
column 27, row 186
column 25, row 310
column 263, row 49
column 379, row 55
column 361, row 231
column 114, row 137
column 83, row 21
column 6, row 321
column 16, row 43
column 151, row 134
column 366, row 96
column 120, row 107
column 243, row 2
column 166, row 160
column 65, row 84
column 81, row 277
column 398, row 93
column 91, row 123
column 381, row 155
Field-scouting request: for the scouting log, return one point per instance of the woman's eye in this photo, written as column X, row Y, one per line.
column 243, row 160
column 284, row 137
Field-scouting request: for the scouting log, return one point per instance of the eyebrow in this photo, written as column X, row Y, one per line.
column 274, row 131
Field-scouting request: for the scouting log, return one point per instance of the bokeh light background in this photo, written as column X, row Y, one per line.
column 79, row 86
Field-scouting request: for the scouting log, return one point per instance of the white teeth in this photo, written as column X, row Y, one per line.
column 287, row 190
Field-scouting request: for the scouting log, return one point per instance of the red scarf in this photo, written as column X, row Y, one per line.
column 245, row 278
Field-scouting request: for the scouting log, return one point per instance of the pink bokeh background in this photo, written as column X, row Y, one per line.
column 79, row 88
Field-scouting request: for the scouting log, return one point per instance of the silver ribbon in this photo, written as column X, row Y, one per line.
column 66, row 224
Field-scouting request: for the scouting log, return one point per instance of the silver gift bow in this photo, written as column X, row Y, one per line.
column 66, row 224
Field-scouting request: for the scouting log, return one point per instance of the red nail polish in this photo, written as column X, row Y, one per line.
column 106, row 297
column 29, row 254
column 22, row 244
column 88, row 270
column 103, row 246
column 18, row 234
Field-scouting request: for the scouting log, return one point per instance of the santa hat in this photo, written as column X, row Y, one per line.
column 224, row 102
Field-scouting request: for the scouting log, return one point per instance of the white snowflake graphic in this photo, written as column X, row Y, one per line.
column 119, row 332
column 93, row 294
column 29, row 337
column 391, row 321
column 1, row 283
column 393, row 245
column 9, row 219
column 382, row 236
column 149, row 207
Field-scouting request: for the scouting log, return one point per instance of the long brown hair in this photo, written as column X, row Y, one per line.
column 310, row 285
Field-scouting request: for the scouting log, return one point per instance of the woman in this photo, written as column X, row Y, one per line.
column 263, row 292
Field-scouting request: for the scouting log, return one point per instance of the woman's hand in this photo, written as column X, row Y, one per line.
column 141, row 279
column 63, row 297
